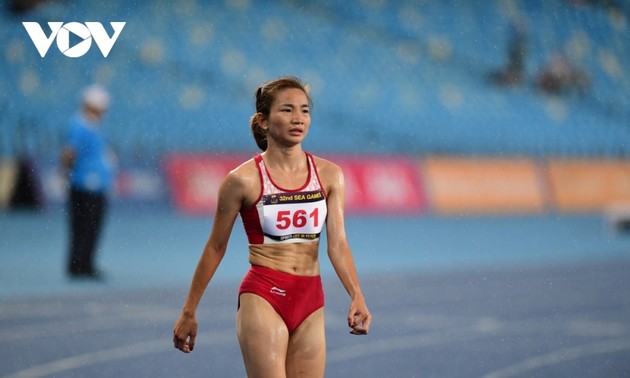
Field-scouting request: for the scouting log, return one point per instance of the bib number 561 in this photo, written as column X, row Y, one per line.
column 297, row 220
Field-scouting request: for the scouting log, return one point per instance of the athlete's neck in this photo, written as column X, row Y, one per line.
column 285, row 159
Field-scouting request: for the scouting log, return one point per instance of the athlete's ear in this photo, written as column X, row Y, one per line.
column 262, row 120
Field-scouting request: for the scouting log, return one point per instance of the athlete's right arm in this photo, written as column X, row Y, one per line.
column 231, row 196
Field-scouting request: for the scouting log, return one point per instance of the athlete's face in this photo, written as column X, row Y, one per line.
column 289, row 118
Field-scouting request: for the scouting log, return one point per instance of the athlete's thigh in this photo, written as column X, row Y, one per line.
column 306, row 354
column 263, row 337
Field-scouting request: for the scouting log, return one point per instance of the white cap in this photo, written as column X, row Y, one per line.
column 96, row 96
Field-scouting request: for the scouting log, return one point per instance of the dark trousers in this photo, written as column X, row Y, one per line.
column 86, row 212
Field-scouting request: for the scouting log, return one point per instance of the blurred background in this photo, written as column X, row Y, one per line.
column 472, row 134
column 523, row 83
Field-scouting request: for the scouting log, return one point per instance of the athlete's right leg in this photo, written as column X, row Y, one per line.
column 263, row 337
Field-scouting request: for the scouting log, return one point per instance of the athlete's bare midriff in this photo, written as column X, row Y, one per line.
column 294, row 258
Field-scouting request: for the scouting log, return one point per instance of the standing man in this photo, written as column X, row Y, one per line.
column 86, row 160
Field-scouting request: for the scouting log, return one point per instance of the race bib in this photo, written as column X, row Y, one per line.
column 294, row 217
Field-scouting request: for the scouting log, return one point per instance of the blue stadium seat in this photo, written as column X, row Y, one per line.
column 387, row 76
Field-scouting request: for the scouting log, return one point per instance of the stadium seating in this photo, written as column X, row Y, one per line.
column 387, row 76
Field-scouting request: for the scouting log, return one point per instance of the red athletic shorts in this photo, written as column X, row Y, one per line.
column 293, row 297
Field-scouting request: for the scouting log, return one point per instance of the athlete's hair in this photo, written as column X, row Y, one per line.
column 265, row 96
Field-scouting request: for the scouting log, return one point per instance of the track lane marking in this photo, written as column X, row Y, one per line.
column 561, row 356
column 114, row 354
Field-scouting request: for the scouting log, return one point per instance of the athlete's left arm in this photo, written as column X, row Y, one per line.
column 359, row 317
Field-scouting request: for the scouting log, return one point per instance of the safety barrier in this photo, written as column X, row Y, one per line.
column 381, row 185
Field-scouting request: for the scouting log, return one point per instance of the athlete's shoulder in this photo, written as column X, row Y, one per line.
column 247, row 167
column 329, row 173
column 244, row 177
column 325, row 164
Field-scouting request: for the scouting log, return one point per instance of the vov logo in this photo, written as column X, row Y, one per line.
column 85, row 32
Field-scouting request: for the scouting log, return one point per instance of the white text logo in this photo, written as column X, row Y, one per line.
column 278, row 291
column 61, row 32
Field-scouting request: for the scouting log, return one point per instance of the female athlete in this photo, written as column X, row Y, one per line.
column 284, row 196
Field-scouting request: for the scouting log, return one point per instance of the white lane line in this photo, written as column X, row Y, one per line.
column 561, row 356
column 114, row 354
column 479, row 328
column 94, row 322
column 85, row 324
column 393, row 344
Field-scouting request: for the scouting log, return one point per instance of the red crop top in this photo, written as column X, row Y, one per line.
column 286, row 216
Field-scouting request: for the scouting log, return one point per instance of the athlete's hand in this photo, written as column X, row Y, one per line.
column 185, row 332
column 359, row 317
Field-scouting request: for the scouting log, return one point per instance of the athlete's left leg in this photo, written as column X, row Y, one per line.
column 306, row 352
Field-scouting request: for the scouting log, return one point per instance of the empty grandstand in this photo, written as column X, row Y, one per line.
column 387, row 76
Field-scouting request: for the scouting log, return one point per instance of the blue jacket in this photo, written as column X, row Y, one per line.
column 93, row 169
